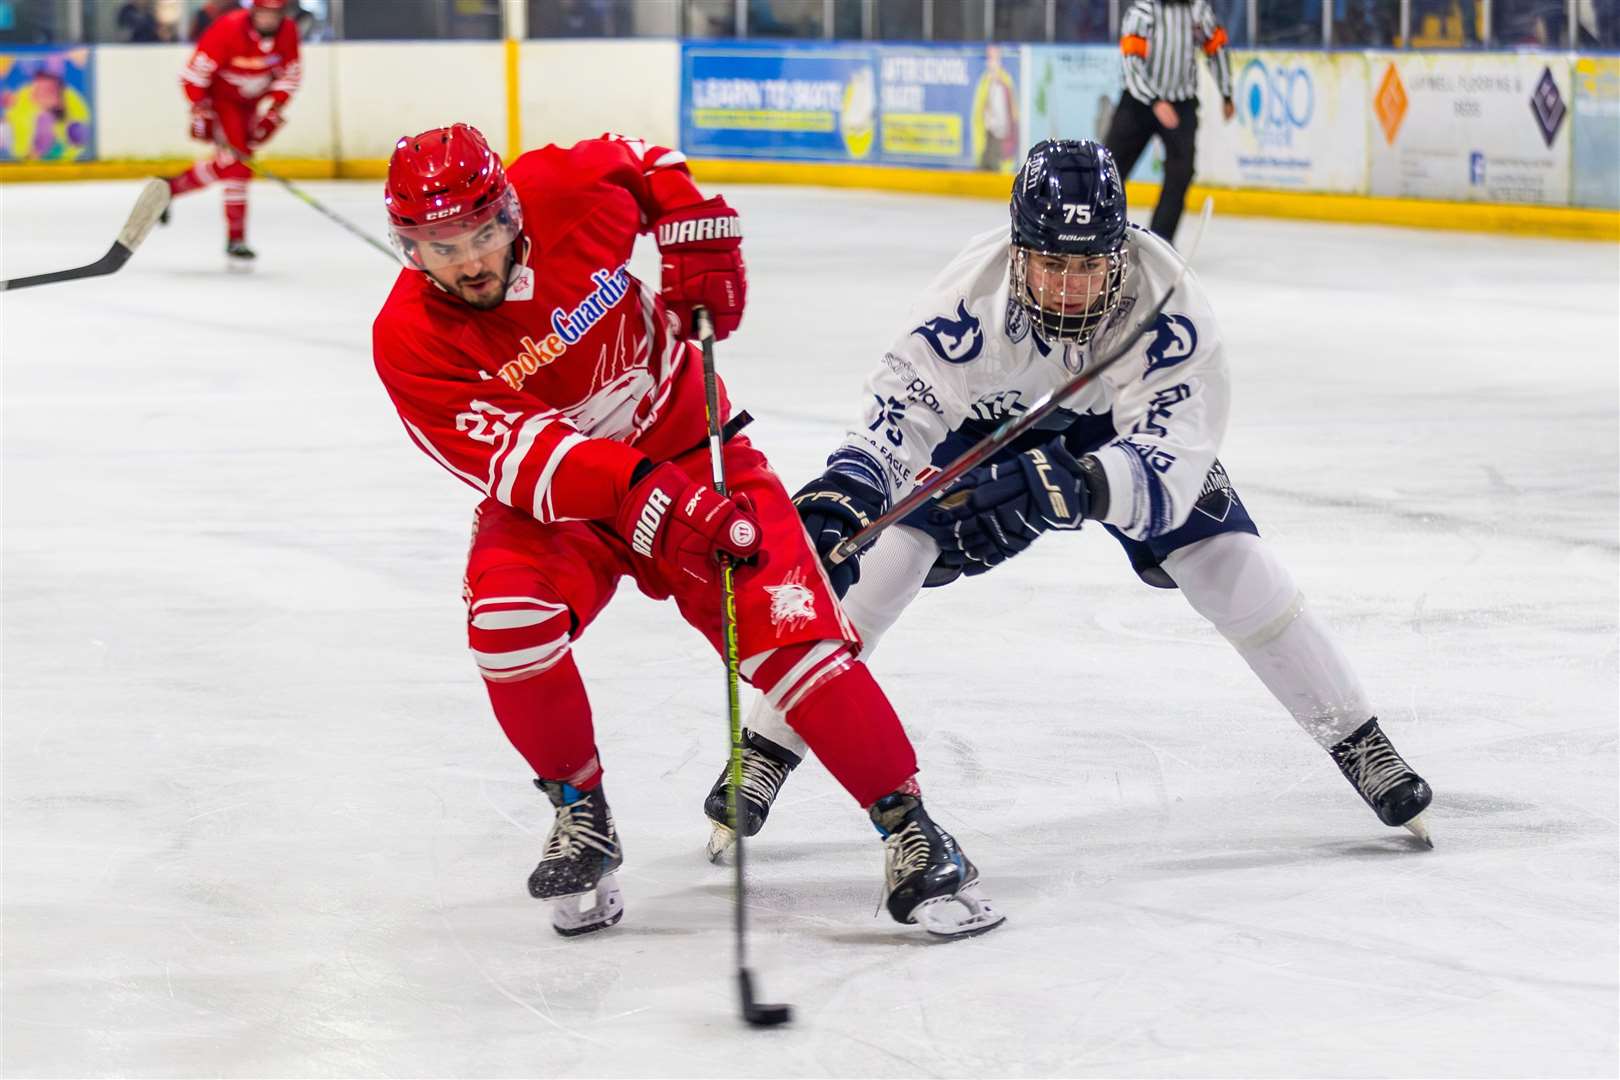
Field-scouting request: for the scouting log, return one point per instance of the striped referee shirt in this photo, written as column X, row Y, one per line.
column 1161, row 40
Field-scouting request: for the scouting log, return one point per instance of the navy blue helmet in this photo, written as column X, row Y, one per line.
column 1068, row 237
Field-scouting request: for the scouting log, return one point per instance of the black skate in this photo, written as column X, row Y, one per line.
column 1397, row 794
column 238, row 256
column 926, row 877
column 765, row 768
column 582, row 852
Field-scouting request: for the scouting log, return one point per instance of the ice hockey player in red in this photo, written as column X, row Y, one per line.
column 526, row 360
column 244, row 59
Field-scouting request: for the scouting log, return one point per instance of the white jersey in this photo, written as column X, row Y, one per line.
column 972, row 357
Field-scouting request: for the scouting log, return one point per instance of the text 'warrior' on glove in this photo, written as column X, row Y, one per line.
column 997, row 510
column 672, row 520
column 701, row 247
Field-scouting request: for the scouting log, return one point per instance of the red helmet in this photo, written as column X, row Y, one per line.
column 445, row 186
column 271, row 5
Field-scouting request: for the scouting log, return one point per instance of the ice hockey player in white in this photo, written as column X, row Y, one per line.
column 1134, row 451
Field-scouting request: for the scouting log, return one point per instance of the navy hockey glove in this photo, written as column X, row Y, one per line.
column 997, row 510
column 835, row 507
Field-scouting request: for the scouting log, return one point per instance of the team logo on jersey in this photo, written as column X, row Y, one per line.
column 1174, row 340
column 1217, row 496
column 999, row 406
column 956, row 340
column 521, row 287
column 1017, row 321
column 792, row 603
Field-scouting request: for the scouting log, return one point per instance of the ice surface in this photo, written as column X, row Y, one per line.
column 258, row 820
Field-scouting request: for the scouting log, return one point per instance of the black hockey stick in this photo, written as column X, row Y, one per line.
column 754, row 1012
column 153, row 200
column 1014, row 426
column 316, row 205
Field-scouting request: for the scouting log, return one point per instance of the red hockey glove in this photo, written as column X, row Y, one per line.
column 268, row 125
column 670, row 519
column 202, row 122
column 703, row 264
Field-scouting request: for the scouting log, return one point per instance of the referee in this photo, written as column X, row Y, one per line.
column 1160, row 40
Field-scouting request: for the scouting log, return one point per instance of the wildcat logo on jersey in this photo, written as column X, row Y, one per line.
column 956, row 340
column 792, row 603
column 1174, row 340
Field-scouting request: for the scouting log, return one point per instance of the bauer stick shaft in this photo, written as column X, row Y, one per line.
column 154, row 198
column 1013, row 427
column 753, row 1012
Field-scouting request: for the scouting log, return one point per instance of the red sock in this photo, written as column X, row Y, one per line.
column 547, row 718
column 199, row 175
column 855, row 733
column 236, row 210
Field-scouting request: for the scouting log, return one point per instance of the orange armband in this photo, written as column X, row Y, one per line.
column 1133, row 45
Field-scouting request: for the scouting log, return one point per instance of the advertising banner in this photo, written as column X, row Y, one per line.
column 1301, row 123
column 953, row 107
column 1070, row 93
column 45, row 105
column 1597, row 132
column 1486, row 127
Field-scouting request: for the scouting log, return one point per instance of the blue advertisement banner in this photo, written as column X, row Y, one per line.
column 1072, row 93
column 46, row 105
column 952, row 107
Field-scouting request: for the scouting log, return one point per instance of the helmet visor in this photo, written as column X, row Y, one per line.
column 1069, row 295
column 437, row 245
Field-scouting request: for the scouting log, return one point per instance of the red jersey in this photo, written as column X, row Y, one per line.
column 548, row 402
column 233, row 65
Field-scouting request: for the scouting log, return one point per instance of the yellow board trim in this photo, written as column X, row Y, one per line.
column 291, row 168
column 1565, row 222
column 514, row 103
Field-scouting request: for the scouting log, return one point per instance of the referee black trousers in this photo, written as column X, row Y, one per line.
column 1128, row 134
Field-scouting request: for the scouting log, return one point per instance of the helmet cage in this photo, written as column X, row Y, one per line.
column 434, row 245
column 1048, row 303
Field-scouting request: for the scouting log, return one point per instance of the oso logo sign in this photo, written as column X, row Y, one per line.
column 1276, row 102
column 1175, row 338
column 957, row 340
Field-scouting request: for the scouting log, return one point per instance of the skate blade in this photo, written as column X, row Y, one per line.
column 1420, row 829
column 967, row 914
column 721, row 839
column 571, row 920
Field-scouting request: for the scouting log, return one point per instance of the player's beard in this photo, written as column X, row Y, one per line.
column 489, row 295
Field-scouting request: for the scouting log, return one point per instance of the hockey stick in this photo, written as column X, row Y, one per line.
column 153, row 200
column 315, row 204
column 1014, row 426
column 755, row 1013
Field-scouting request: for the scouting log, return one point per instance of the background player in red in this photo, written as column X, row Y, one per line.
column 245, row 58
column 525, row 359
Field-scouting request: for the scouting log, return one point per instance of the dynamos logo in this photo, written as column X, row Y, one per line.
column 568, row 327
column 956, row 340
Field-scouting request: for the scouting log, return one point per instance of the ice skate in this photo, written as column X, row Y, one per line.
column 1397, row 794
column 927, row 879
column 766, row 765
column 582, row 852
column 239, row 258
